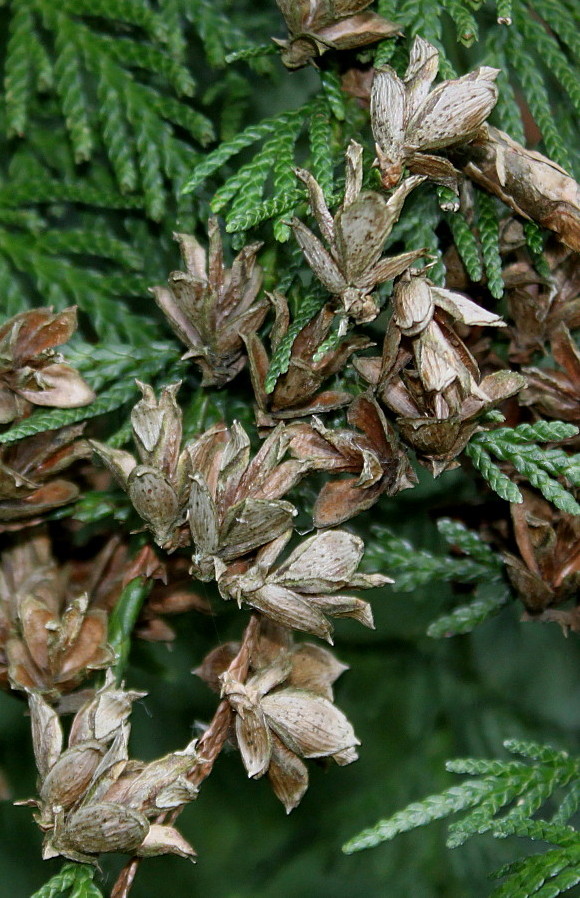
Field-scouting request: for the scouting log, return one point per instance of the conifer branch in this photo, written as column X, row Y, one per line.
column 541, row 467
column 72, row 881
column 505, row 796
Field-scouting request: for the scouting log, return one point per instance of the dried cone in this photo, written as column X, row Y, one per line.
column 372, row 452
column 427, row 376
column 352, row 265
column 556, row 393
column 28, row 485
column 158, row 483
column 232, row 502
column 53, row 633
column 316, row 26
column 31, row 372
column 284, row 710
column 301, row 591
column 547, row 571
column 297, row 391
column 92, row 798
column 408, row 117
column 235, row 503
column 538, row 306
column 211, row 307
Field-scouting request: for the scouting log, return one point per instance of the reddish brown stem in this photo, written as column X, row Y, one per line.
column 209, row 747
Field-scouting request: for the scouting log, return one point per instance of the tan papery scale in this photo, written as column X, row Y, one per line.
column 278, row 719
column 305, row 588
column 428, row 377
column 31, row 372
column 210, row 307
column 240, row 508
column 373, row 452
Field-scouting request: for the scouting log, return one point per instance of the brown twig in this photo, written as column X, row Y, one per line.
column 529, row 183
column 209, row 747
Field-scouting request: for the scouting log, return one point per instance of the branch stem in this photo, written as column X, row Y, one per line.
column 209, row 748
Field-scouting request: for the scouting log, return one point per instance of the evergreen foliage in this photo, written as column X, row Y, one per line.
column 72, row 881
column 125, row 123
column 473, row 562
column 504, row 798
column 414, row 567
column 540, row 466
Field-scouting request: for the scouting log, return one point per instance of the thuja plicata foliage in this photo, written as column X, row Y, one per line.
column 380, row 281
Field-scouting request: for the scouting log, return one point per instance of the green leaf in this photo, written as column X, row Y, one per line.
column 18, row 71
column 321, row 155
column 333, row 94
column 498, row 481
column 489, row 236
column 519, row 788
column 420, row 813
column 504, row 12
column 468, row 541
column 466, row 618
column 412, row 567
column 466, row 244
column 254, row 52
column 215, row 160
column 467, row 30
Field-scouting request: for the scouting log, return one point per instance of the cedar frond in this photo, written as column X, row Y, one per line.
column 71, row 880
column 541, row 467
column 502, row 799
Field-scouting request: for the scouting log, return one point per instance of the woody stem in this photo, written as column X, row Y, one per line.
column 209, row 747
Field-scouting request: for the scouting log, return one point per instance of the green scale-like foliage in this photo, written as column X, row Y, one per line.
column 102, row 119
column 541, row 467
column 473, row 563
column 72, row 881
column 503, row 799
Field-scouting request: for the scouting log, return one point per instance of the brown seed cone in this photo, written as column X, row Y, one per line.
column 298, row 391
column 31, row 372
column 555, row 393
column 547, row 572
column 92, row 797
column 211, row 307
column 301, row 591
column 428, row 377
column 373, row 453
column 28, row 485
column 284, row 710
column 235, row 503
column 316, row 26
column 53, row 633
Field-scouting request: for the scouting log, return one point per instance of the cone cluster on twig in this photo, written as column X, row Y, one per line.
column 92, row 797
column 225, row 511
